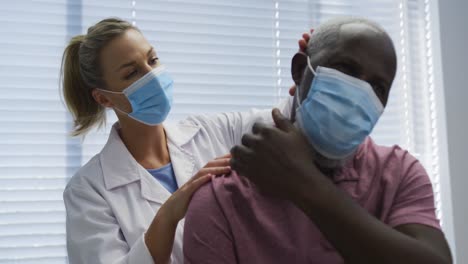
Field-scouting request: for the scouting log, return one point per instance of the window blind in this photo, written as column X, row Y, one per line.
column 224, row 56
column 33, row 143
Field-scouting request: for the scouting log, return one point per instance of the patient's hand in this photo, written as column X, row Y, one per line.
column 278, row 160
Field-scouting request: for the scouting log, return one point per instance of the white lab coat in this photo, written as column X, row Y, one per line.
column 111, row 201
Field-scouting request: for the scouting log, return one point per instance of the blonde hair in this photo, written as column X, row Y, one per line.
column 81, row 73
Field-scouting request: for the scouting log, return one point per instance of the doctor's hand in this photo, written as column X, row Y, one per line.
column 159, row 238
column 304, row 41
column 176, row 206
column 302, row 48
column 278, row 160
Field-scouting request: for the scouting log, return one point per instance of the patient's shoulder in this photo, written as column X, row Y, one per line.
column 239, row 198
column 221, row 189
column 235, row 198
column 233, row 186
column 219, row 199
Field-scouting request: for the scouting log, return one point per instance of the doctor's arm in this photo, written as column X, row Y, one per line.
column 228, row 128
column 231, row 126
column 160, row 235
column 236, row 124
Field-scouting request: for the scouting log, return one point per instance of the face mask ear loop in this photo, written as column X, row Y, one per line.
column 107, row 91
column 297, row 87
column 121, row 111
column 297, row 96
column 112, row 92
column 310, row 66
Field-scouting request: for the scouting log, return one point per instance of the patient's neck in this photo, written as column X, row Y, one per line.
column 329, row 167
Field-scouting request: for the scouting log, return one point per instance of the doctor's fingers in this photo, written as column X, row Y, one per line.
column 226, row 156
column 213, row 171
column 303, row 43
column 224, row 162
column 195, row 183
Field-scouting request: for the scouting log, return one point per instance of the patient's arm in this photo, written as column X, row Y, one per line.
column 207, row 236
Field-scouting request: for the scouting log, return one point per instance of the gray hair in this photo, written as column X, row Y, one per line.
column 326, row 35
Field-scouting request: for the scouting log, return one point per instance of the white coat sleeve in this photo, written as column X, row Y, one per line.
column 229, row 127
column 93, row 234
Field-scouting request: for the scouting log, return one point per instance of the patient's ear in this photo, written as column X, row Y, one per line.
column 298, row 64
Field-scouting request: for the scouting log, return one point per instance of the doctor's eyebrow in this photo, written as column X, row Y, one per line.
column 150, row 51
column 130, row 63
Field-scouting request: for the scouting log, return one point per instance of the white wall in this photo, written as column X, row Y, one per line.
column 453, row 37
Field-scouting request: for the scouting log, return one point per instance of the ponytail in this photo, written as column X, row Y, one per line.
column 85, row 110
column 81, row 73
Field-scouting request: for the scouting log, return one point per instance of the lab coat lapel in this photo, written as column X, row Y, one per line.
column 182, row 159
column 182, row 162
column 151, row 189
column 120, row 168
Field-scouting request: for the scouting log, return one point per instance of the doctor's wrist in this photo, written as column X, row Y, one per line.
column 159, row 238
column 166, row 219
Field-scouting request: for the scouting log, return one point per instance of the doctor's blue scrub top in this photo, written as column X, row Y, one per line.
column 165, row 175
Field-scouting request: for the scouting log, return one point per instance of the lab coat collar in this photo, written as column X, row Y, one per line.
column 180, row 133
column 120, row 168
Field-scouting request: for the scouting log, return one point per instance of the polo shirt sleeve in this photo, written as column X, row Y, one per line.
column 414, row 198
column 207, row 236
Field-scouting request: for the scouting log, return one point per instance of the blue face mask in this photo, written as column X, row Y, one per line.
column 150, row 97
column 338, row 113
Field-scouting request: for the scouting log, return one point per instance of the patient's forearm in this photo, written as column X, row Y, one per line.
column 358, row 236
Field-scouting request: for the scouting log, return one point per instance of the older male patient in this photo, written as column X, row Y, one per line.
column 316, row 188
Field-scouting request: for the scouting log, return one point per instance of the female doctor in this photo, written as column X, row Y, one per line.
column 126, row 204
